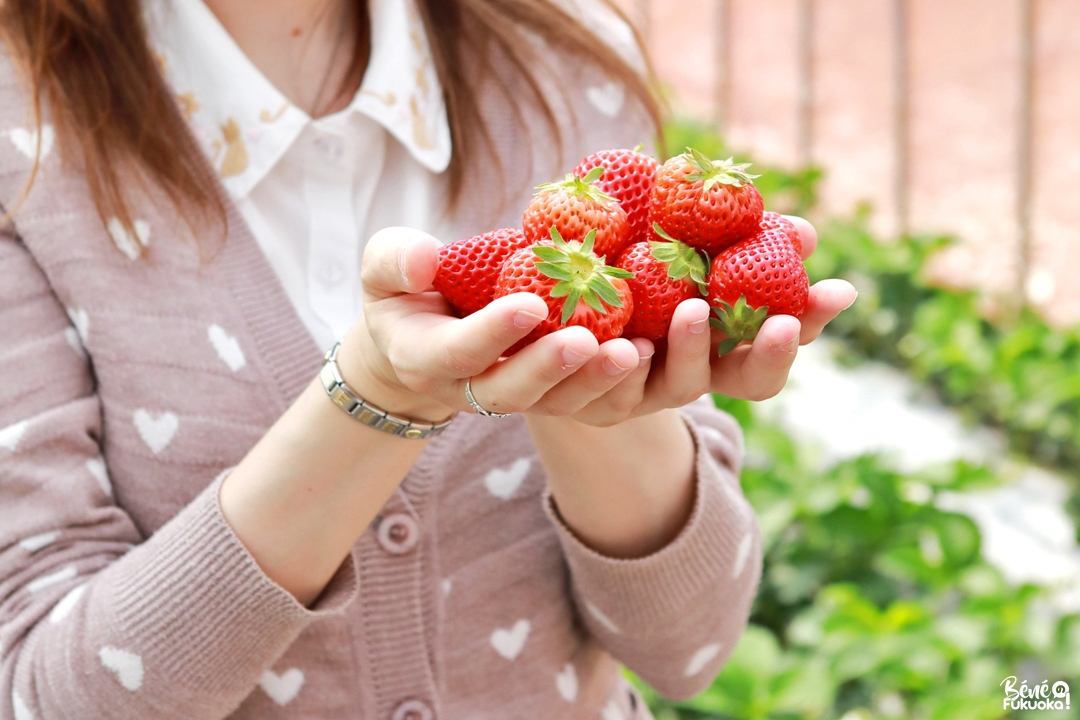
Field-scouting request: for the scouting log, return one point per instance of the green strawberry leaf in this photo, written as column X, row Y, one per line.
column 570, row 304
column 554, row 271
column 593, row 300
column 616, row 272
column 546, row 252
column 603, row 288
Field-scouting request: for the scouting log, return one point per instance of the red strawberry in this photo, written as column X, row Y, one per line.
column 575, row 206
column 563, row 274
column 705, row 203
column 758, row 277
column 666, row 272
column 775, row 221
column 628, row 177
column 469, row 268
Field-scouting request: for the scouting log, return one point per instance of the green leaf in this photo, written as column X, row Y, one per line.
column 548, row 253
column 570, row 304
column 587, row 245
column 551, row 270
column 603, row 288
column 616, row 272
column 593, row 300
column 561, row 289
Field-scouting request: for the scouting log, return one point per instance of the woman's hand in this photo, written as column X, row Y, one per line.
column 414, row 356
column 690, row 366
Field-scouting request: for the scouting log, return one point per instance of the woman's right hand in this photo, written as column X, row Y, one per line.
column 412, row 355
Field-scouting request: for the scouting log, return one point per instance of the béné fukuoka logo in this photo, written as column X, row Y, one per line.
column 1042, row 696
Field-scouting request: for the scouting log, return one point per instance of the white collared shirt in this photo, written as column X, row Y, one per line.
column 314, row 190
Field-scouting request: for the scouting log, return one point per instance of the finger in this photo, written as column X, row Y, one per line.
column 517, row 383
column 440, row 347
column 759, row 371
column 398, row 260
column 615, row 360
column 828, row 299
column 624, row 400
column 807, row 234
column 684, row 375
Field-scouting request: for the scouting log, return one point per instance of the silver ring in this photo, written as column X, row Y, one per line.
column 476, row 405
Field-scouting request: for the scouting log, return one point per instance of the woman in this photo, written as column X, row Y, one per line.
column 189, row 527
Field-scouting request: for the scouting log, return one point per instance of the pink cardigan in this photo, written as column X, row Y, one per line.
column 128, row 387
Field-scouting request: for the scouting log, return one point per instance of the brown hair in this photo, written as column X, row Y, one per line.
column 91, row 62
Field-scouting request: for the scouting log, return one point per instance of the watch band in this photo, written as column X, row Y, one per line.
column 343, row 396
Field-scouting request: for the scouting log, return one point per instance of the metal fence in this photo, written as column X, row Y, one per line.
column 958, row 116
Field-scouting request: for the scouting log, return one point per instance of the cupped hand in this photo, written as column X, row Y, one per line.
column 689, row 366
column 412, row 355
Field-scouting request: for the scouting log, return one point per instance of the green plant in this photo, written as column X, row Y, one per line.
column 872, row 599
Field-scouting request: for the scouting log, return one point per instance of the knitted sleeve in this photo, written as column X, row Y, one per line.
column 673, row 617
column 97, row 621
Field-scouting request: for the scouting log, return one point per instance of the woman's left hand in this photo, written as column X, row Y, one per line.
column 624, row 379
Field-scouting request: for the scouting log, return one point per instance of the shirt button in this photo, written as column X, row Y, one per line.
column 398, row 534
column 330, row 274
column 413, row 710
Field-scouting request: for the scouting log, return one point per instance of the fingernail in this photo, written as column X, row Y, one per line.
column 523, row 319
column 790, row 346
column 852, row 300
column 644, row 359
column 572, row 359
column 402, row 263
column 613, row 369
column 698, row 326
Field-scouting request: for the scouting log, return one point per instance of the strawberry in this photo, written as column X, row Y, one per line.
column 758, row 277
column 775, row 221
column 666, row 272
column 469, row 268
column 707, row 204
column 629, row 177
column 575, row 206
column 576, row 285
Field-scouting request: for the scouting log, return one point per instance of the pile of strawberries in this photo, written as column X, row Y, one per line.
column 691, row 227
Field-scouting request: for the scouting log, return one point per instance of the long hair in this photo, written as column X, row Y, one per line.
column 91, row 63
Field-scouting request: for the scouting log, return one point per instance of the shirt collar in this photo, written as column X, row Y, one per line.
column 245, row 124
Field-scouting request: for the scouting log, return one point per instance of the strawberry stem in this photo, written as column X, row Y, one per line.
column 581, row 275
column 579, row 186
column 716, row 172
column 739, row 322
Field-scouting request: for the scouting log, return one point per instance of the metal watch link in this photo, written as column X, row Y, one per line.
column 343, row 396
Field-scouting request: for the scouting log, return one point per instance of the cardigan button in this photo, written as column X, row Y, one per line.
column 413, row 710
column 398, row 534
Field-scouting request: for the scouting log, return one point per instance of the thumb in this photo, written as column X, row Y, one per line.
column 398, row 260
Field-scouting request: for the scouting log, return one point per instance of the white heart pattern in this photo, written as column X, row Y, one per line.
column 284, row 687
column 96, row 467
column 156, row 432
column 701, row 658
column 611, row 711
column 36, row 542
column 22, row 712
column 227, row 347
column 81, row 321
column 567, row 683
column 66, row 604
column 742, row 554
column 127, row 666
column 12, row 434
column 72, row 337
column 607, row 98
column 64, row 574
column 504, row 483
column 123, row 239
column 26, row 141
column 509, row 643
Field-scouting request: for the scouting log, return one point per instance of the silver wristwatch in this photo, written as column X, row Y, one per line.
column 343, row 396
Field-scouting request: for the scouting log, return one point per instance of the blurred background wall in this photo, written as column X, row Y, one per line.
column 957, row 116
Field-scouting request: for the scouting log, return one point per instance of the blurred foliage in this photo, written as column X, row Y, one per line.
column 1016, row 372
column 874, row 603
